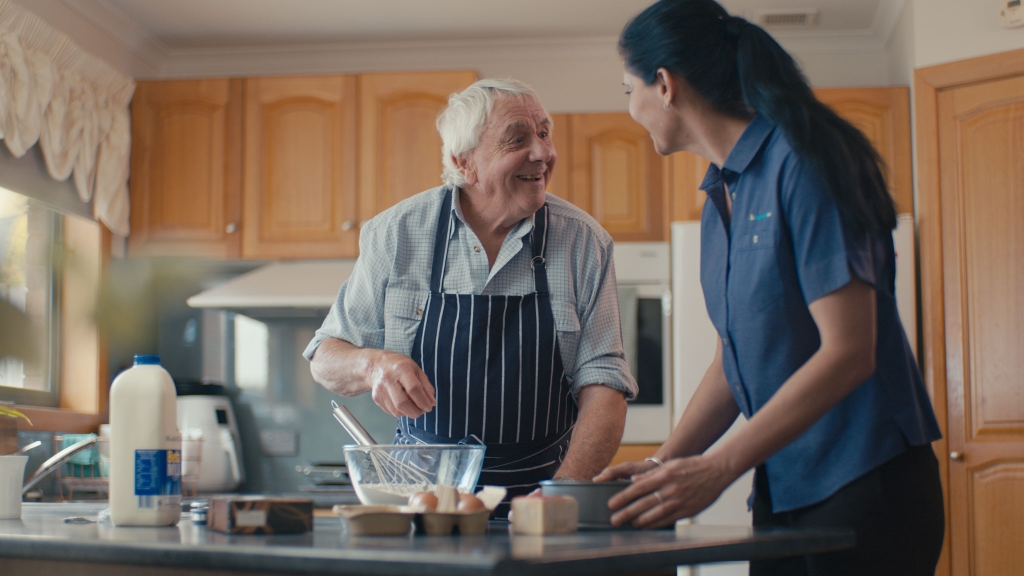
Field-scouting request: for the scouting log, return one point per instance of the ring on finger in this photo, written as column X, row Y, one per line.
column 658, row 496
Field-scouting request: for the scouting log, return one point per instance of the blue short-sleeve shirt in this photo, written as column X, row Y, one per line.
column 783, row 248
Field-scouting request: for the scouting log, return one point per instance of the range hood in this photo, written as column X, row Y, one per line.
column 279, row 289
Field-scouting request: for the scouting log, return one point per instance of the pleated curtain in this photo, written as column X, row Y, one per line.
column 74, row 105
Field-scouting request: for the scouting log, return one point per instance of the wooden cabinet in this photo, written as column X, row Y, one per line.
column 617, row 177
column 562, row 138
column 299, row 183
column 882, row 114
column 185, row 178
column 399, row 147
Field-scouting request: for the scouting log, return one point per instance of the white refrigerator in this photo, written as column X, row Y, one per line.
column 694, row 340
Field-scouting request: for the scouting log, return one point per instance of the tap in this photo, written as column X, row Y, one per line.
column 56, row 461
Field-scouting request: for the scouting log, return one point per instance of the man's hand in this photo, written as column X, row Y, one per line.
column 398, row 385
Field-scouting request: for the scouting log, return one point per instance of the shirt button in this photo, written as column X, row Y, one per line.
column 725, row 341
column 476, row 248
column 755, row 238
column 419, row 311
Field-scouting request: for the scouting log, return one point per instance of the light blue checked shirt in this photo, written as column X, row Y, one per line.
column 381, row 304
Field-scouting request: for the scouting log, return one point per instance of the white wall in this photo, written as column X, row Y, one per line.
column 901, row 49
column 951, row 30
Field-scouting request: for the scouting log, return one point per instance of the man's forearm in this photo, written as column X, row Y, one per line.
column 597, row 434
column 341, row 367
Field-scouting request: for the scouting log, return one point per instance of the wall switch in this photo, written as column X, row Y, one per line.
column 279, row 442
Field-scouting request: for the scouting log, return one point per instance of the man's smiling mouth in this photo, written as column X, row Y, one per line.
column 530, row 177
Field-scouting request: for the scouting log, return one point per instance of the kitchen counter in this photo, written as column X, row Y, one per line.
column 43, row 543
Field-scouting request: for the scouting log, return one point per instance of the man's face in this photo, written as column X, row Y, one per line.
column 513, row 161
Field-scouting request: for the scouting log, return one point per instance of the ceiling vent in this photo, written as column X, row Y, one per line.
column 795, row 18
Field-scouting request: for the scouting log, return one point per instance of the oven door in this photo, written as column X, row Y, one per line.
column 645, row 311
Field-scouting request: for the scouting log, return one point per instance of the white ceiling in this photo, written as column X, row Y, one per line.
column 176, row 25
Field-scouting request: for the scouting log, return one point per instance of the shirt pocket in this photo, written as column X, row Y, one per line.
column 754, row 280
column 403, row 311
column 567, row 324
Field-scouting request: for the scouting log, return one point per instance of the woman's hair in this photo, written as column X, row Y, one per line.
column 462, row 120
column 740, row 69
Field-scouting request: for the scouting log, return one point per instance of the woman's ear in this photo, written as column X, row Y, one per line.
column 467, row 168
column 667, row 89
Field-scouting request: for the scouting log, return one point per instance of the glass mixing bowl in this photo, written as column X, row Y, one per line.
column 390, row 473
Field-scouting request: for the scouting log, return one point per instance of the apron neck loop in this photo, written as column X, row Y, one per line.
column 444, row 233
column 539, row 263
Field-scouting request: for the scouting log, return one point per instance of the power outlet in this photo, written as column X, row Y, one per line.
column 279, row 442
column 1011, row 14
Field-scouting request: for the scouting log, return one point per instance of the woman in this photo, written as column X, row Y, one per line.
column 797, row 269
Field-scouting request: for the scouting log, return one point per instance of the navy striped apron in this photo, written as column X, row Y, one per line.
column 497, row 373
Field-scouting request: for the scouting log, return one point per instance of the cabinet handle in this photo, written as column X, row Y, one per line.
column 231, row 227
column 957, row 456
column 348, row 225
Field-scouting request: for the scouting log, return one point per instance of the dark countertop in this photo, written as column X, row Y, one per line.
column 42, row 535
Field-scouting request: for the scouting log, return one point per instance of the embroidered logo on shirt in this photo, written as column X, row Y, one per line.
column 756, row 217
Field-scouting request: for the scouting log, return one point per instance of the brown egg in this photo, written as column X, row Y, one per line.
column 423, row 500
column 469, row 503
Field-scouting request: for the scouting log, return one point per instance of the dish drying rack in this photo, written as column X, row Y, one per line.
column 88, row 471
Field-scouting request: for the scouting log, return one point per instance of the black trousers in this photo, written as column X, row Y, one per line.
column 895, row 509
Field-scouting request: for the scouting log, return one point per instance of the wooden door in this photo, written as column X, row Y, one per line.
column 981, row 180
column 300, row 168
column 687, row 171
column 185, row 168
column 399, row 147
column 617, row 177
column 561, row 136
column 883, row 115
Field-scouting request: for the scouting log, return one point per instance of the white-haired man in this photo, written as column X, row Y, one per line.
column 485, row 309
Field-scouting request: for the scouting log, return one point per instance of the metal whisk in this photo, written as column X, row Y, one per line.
column 392, row 471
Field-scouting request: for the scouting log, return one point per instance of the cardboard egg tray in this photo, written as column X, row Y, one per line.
column 365, row 520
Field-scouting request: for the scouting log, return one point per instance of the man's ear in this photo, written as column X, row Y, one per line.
column 468, row 169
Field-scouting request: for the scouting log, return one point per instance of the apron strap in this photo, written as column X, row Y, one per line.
column 539, row 264
column 444, row 233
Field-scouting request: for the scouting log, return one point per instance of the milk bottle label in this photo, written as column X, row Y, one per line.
column 158, row 478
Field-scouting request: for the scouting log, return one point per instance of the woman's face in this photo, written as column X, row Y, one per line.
column 647, row 106
column 513, row 162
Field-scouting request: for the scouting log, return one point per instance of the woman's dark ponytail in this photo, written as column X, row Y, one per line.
column 739, row 68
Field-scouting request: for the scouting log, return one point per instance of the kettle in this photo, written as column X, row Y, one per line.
column 207, row 407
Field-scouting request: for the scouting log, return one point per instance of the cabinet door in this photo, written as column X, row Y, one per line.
column 561, row 135
column 617, row 177
column 687, row 171
column 185, row 168
column 399, row 147
column 299, row 178
column 883, row 115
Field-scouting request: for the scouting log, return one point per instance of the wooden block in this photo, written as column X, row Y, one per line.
column 543, row 515
column 260, row 515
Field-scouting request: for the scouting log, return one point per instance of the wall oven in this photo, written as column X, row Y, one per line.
column 645, row 306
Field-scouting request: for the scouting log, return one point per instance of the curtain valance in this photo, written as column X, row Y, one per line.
column 70, row 102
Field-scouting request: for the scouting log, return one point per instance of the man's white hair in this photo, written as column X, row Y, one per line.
column 462, row 120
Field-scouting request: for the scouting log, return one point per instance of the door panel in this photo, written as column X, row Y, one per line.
column 399, row 147
column 300, row 199
column 981, row 143
column 184, row 183
column 617, row 177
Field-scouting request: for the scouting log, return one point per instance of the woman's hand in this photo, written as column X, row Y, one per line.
column 683, row 487
column 625, row 470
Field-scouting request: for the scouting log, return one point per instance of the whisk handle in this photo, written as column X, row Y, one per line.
column 351, row 425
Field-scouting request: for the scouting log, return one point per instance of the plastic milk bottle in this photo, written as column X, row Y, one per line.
column 145, row 447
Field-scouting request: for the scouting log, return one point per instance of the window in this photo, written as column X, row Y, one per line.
column 29, row 301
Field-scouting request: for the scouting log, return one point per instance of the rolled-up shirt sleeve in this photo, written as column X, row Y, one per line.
column 357, row 315
column 600, row 356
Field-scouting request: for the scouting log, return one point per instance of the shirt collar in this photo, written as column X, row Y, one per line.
column 524, row 227
column 742, row 154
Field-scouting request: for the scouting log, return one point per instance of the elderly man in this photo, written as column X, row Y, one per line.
column 485, row 309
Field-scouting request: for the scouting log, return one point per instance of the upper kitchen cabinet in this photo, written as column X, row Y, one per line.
column 186, row 152
column 617, row 177
column 399, row 147
column 883, row 115
column 299, row 172
column 561, row 135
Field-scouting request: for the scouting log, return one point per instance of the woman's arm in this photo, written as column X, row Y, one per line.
column 710, row 412
column 685, row 486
